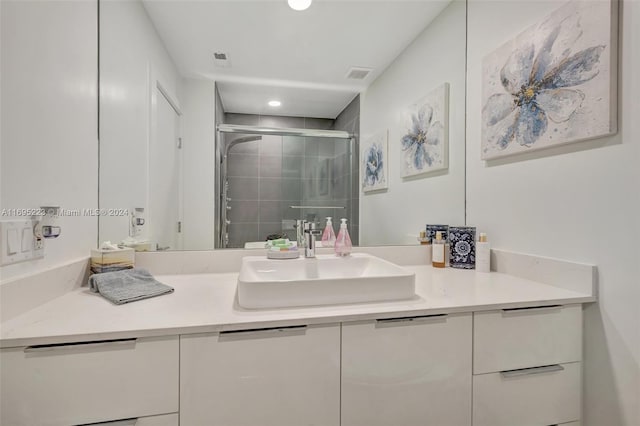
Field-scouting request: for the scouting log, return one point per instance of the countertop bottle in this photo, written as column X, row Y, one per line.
column 343, row 242
column 328, row 236
column 483, row 254
column 438, row 255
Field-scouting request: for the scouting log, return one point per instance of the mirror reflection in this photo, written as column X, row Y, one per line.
column 225, row 123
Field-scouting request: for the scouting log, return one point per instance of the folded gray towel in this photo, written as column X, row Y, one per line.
column 127, row 285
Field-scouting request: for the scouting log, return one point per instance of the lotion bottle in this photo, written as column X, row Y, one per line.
column 328, row 236
column 438, row 247
column 343, row 242
column 483, row 254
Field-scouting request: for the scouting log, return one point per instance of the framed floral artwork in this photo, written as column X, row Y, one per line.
column 555, row 83
column 425, row 144
column 375, row 165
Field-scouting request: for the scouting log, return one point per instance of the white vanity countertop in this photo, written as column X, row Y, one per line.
column 207, row 303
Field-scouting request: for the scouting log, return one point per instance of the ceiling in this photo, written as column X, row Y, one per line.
column 274, row 52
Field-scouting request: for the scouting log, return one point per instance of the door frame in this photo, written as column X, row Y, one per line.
column 157, row 83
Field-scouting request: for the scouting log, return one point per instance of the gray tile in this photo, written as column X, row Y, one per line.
column 292, row 189
column 271, row 145
column 270, row 188
column 270, row 166
column 350, row 113
column 242, row 232
column 241, row 188
column 326, row 147
column 244, row 211
column 244, row 119
column 340, row 163
column 282, row 121
column 288, row 212
column 242, row 165
column 318, row 123
column 292, row 167
column 270, row 211
column 267, row 228
column 340, row 146
column 311, row 146
column 318, row 168
column 293, row 145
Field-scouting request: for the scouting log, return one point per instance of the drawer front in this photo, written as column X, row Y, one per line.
column 89, row 382
column 407, row 372
column 287, row 376
column 522, row 338
column 528, row 397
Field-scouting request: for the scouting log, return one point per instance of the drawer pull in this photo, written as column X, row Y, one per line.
column 123, row 422
column 270, row 330
column 530, row 309
column 411, row 319
column 529, row 371
column 98, row 343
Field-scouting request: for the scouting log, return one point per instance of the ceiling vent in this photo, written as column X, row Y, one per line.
column 221, row 60
column 358, row 73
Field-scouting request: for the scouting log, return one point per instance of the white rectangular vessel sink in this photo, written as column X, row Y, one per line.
column 323, row 280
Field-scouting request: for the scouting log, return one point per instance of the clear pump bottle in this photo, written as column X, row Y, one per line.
column 343, row 242
column 328, row 236
column 438, row 257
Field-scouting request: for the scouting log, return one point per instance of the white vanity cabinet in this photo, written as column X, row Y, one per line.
column 527, row 368
column 90, row 382
column 407, row 371
column 269, row 377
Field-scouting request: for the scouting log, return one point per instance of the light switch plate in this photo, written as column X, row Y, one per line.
column 23, row 243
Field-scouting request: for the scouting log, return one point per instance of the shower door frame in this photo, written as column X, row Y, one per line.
column 221, row 128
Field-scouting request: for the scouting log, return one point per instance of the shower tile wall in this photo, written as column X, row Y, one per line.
column 266, row 177
column 349, row 121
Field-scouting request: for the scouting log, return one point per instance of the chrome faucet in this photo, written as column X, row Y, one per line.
column 310, row 233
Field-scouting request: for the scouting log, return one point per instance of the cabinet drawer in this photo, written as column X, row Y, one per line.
column 519, row 338
column 537, row 396
column 89, row 382
column 288, row 376
column 407, row 371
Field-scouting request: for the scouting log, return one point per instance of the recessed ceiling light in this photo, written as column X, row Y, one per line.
column 299, row 4
column 275, row 103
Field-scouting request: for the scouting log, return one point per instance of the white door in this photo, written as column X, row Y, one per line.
column 165, row 177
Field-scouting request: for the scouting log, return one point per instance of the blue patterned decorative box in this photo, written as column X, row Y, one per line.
column 432, row 229
column 463, row 247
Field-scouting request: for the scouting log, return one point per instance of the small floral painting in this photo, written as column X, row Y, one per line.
column 375, row 169
column 552, row 84
column 425, row 142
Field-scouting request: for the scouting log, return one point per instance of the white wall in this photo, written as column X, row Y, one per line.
column 436, row 56
column 49, row 146
column 199, row 156
column 580, row 202
column 131, row 53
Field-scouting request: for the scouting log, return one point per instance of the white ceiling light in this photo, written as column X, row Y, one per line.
column 299, row 4
column 275, row 103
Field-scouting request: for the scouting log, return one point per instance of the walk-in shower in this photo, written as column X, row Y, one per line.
column 269, row 177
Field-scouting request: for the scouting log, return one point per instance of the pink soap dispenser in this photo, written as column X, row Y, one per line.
column 343, row 243
column 328, row 236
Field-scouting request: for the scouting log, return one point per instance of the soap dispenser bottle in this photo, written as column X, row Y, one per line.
column 343, row 242
column 328, row 236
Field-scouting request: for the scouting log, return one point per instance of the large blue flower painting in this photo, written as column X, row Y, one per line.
column 552, row 84
column 424, row 143
column 374, row 163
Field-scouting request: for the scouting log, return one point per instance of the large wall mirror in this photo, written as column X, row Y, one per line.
column 223, row 122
